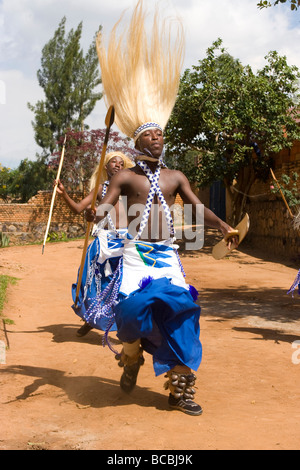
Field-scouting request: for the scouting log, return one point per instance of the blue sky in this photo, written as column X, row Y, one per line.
column 27, row 25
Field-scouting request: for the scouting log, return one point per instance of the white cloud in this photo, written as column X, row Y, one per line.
column 247, row 32
column 16, row 133
column 27, row 25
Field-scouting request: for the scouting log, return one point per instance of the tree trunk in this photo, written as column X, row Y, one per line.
column 239, row 192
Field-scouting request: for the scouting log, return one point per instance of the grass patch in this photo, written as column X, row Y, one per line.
column 4, row 283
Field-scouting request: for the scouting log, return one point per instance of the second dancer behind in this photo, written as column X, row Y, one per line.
column 104, row 252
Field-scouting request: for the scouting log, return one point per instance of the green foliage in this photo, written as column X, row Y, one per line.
column 235, row 121
column 294, row 4
column 68, row 78
column 5, row 179
column 57, row 237
column 82, row 154
column 4, row 283
column 289, row 188
column 25, row 181
column 4, row 240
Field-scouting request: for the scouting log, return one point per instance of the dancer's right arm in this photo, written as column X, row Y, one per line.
column 76, row 207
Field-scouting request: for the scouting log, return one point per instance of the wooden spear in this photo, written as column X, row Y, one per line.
column 54, row 192
column 109, row 119
column 282, row 195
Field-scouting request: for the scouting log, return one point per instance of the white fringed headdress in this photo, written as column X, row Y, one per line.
column 140, row 75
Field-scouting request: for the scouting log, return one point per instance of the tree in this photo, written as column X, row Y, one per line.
column 82, row 154
column 232, row 121
column 265, row 3
column 25, row 181
column 68, row 78
column 5, row 181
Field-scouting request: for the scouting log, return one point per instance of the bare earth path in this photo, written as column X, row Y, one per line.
column 62, row 392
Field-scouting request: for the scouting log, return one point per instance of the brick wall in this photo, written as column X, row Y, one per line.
column 271, row 225
column 27, row 222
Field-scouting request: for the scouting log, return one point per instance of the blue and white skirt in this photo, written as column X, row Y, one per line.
column 102, row 260
column 158, row 306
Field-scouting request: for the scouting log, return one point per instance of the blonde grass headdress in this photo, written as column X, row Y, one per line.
column 140, row 75
column 128, row 163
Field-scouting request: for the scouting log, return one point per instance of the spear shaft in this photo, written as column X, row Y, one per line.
column 282, row 195
column 54, row 193
column 109, row 119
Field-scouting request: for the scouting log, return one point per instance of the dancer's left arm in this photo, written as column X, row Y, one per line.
column 210, row 219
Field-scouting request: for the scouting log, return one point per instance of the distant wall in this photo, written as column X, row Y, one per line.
column 26, row 223
column 271, row 226
column 270, row 230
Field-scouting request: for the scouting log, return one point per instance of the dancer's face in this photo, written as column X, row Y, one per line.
column 114, row 165
column 152, row 140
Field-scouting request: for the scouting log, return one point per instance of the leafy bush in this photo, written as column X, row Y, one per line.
column 4, row 240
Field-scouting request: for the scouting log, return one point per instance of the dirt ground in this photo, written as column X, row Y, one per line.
column 61, row 392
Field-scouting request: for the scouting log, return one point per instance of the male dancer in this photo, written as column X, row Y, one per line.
column 157, row 312
column 161, row 315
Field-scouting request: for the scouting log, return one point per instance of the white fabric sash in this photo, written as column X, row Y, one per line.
column 155, row 260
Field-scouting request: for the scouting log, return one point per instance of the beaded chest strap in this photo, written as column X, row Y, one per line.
column 107, row 219
column 154, row 189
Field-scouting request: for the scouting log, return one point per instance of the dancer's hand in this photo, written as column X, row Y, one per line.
column 60, row 187
column 231, row 236
column 90, row 214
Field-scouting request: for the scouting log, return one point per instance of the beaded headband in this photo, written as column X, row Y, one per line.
column 145, row 127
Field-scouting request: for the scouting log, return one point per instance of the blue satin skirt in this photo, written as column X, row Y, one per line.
column 166, row 319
